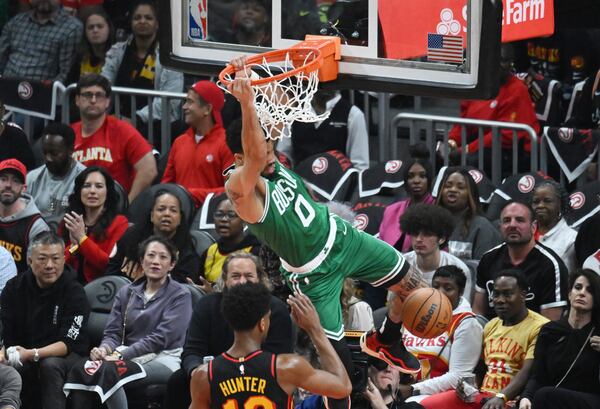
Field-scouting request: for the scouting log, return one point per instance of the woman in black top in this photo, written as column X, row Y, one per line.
column 165, row 219
column 567, row 353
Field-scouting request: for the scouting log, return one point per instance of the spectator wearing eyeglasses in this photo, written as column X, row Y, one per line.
column 382, row 385
column 230, row 229
column 103, row 140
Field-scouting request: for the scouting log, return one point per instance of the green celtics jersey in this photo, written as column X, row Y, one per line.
column 292, row 225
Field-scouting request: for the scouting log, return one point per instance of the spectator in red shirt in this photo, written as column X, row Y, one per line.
column 103, row 140
column 512, row 104
column 91, row 226
column 200, row 155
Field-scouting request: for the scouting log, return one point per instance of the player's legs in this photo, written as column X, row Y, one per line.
column 372, row 260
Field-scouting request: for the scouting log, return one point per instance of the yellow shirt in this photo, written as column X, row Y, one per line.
column 505, row 349
column 213, row 266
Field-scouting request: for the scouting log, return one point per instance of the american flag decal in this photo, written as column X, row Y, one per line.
column 445, row 48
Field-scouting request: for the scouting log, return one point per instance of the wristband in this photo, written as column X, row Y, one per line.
column 84, row 238
column 502, row 396
column 73, row 248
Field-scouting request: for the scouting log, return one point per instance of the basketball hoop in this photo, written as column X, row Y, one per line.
column 286, row 80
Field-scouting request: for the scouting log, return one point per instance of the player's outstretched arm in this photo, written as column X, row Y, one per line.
column 200, row 388
column 295, row 371
column 242, row 184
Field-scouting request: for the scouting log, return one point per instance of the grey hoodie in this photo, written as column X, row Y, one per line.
column 12, row 233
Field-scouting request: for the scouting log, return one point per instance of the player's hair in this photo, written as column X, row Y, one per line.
column 516, row 274
column 429, row 219
column 243, row 305
column 454, row 273
column 428, row 172
column 233, row 136
column 558, row 191
column 91, row 80
column 525, row 205
column 63, row 130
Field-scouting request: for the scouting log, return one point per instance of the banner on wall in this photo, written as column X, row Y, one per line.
column 406, row 24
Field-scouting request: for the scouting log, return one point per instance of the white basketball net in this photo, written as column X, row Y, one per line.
column 280, row 103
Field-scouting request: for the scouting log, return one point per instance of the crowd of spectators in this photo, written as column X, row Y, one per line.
column 64, row 224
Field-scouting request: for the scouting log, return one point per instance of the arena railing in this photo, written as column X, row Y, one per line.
column 134, row 93
column 432, row 134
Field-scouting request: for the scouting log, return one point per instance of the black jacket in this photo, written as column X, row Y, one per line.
column 33, row 317
column 188, row 261
column 209, row 334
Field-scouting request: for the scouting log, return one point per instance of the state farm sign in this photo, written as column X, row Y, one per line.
column 521, row 19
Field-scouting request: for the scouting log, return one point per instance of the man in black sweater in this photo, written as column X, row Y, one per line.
column 209, row 335
column 44, row 312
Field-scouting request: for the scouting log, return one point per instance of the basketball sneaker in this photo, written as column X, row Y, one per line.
column 395, row 355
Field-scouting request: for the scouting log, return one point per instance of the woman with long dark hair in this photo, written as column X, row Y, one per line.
column 98, row 37
column 567, row 353
column 418, row 178
column 473, row 234
column 166, row 219
column 91, row 225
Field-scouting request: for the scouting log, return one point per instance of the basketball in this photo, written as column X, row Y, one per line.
column 426, row 313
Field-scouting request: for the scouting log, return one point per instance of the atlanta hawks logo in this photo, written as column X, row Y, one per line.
column 90, row 367
column 393, row 166
column 361, row 221
column 565, row 134
column 526, row 184
column 24, row 90
column 320, row 165
column 476, row 175
column 577, row 200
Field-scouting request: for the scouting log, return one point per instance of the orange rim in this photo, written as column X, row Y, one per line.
column 277, row 55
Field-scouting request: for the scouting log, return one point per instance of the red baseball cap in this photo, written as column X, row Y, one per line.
column 15, row 166
column 211, row 93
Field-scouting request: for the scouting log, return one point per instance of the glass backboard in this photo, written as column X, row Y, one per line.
column 444, row 48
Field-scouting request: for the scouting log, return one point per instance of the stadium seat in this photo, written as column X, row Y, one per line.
column 379, row 316
column 202, row 241
column 196, row 292
column 575, row 101
column 100, row 294
column 141, row 206
column 122, row 199
column 329, row 175
column 472, row 264
column 204, row 216
column 548, row 102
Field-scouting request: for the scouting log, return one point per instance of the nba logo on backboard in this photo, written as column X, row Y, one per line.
column 198, row 20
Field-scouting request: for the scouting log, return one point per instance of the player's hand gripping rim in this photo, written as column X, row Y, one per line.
column 240, row 86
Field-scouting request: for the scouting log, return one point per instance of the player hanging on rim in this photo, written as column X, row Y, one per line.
column 245, row 377
column 317, row 250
